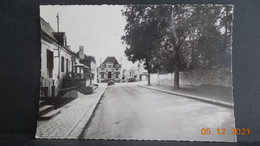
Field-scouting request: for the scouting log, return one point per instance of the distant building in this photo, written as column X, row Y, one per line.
column 142, row 73
column 90, row 62
column 138, row 73
column 134, row 73
column 109, row 69
column 125, row 75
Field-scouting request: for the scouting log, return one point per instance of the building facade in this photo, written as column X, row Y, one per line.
column 90, row 62
column 57, row 60
column 138, row 73
column 109, row 69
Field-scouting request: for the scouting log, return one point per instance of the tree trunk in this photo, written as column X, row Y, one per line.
column 177, row 67
column 176, row 79
column 149, row 83
column 148, row 70
column 158, row 73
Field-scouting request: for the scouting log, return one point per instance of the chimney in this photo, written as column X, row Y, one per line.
column 65, row 41
column 81, row 52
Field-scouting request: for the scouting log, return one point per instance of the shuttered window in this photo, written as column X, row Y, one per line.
column 50, row 63
column 102, row 75
column 62, row 64
column 116, row 75
column 67, row 65
column 72, row 70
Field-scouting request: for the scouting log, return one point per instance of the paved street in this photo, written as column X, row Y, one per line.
column 131, row 112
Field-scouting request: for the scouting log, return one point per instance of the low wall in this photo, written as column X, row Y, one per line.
column 216, row 76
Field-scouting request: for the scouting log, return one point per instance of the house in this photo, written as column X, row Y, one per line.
column 138, row 73
column 134, row 73
column 57, row 59
column 90, row 62
column 142, row 73
column 62, row 74
column 125, row 75
column 109, row 69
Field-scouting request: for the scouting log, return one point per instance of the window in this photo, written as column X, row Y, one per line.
column 117, row 66
column 72, row 66
column 67, row 65
column 62, row 64
column 102, row 75
column 50, row 63
column 117, row 75
column 109, row 66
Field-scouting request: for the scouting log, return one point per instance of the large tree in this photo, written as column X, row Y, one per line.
column 177, row 38
column 195, row 37
column 142, row 36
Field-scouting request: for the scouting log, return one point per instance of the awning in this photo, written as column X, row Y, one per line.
column 81, row 65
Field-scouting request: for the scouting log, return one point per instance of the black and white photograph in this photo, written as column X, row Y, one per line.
column 137, row 72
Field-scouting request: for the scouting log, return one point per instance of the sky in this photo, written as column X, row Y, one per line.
column 98, row 28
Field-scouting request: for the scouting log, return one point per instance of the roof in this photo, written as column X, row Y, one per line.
column 87, row 57
column 46, row 28
column 110, row 59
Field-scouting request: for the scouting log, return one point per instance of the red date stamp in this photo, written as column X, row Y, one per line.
column 223, row 131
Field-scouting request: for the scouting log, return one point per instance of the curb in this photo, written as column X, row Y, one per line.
column 77, row 133
column 229, row 105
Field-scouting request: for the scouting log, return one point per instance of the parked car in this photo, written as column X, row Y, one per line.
column 110, row 82
column 131, row 79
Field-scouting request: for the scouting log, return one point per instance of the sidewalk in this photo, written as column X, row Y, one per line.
column 206, row 93
column 73, row 117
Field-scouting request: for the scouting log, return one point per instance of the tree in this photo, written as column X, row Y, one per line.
column 155, row 34
column 196, row 37
column 142, row 36
column 174, row 35
column 178, row 38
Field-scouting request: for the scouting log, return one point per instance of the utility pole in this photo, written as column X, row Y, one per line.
column 58, row 22
column 58, row 29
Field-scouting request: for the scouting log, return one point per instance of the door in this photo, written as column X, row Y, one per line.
column 109, row 75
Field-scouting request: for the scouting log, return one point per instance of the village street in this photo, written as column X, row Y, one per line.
column 77, row 101
column 128, row 111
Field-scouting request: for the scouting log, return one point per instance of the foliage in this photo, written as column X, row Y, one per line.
column 142, row 35
column 178, row 38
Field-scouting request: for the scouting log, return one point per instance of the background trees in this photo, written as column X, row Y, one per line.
column 178, row 38
column 142, row 36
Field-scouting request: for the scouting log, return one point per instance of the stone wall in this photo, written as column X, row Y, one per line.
column 216, row 76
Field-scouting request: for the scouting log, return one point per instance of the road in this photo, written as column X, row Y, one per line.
column 128, row 111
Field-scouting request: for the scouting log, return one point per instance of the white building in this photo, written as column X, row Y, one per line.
column 110, row 69
column 138, row 73
column 57, row 60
